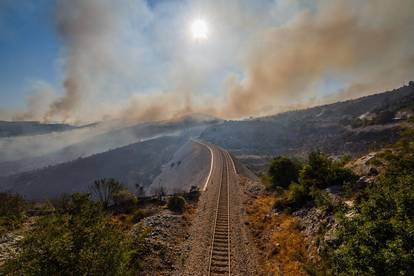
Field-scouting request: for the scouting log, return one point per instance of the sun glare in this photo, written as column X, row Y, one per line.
column 199, row 29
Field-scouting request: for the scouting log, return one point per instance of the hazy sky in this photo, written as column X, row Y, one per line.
column 87, row 60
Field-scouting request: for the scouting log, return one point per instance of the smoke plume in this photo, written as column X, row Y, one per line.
column 87, row 30
column 365, row 45
column 38, row 103
column 367, row 42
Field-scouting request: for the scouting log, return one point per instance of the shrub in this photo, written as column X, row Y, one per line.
column 125, row 201
column 81, row 241
column 176, row 204
column 12, row 211
column 384, row 117
column 293, row 199
column 193, row 194
column 138, row 215
column 61, row 203
column 283, row 171
column 379, row 239
column 318, row 173
column 322, row 172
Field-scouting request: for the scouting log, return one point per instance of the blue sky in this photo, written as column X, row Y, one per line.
column 139, row 55
column 29, row 49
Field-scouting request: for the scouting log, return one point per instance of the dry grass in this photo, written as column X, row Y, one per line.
column 124, row 221
column 282, row 245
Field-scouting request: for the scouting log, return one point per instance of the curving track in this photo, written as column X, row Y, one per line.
column 220, row 253
column 218, row 244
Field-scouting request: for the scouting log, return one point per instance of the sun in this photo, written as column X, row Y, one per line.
column 199, row 29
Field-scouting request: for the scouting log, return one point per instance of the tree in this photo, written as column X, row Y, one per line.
column 283, row 171
column 104, row 190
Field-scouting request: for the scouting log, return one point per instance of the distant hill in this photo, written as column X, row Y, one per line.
column 135, row 163
column 19, row 128
column 188, row 167
column 191, row 125
column 351, row 127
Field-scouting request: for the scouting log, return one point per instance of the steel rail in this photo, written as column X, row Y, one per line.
column 220, row 250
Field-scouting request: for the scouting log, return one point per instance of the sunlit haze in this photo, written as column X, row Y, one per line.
column 87, row 61
column 206, row 137
column 199, row 29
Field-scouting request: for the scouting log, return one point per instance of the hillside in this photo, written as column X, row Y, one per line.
column 136, row 163
column 93, row 143
column 10, row 129
column 189, row 166
column 351, row 127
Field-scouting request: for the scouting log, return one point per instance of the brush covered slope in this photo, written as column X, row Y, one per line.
column 351, row 127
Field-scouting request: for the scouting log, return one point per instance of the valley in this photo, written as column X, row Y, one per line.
column 239, row 223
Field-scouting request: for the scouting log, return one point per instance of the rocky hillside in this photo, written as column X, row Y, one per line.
column 351, row 127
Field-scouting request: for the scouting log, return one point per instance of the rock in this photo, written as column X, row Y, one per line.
column 8, row 245
column 373, row 172
column 167, row 230
column 275, row 250
column 256, row 190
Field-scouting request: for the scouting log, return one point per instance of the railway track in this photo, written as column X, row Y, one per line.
column 220, row 262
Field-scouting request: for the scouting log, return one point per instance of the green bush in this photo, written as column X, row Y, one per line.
column 379, row 239
column 318, row 173
column 12, row 211
column 322, row 172
column 139, row 215
column 125, row 201
column 81, row 241
column 293, row 199
column 176, row 204
column 283, row 171
column 61, row 203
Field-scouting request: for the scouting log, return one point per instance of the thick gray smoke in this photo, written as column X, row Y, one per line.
column 367, row 45
column 88, row 30
column 38, row 103
column 367, row 42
